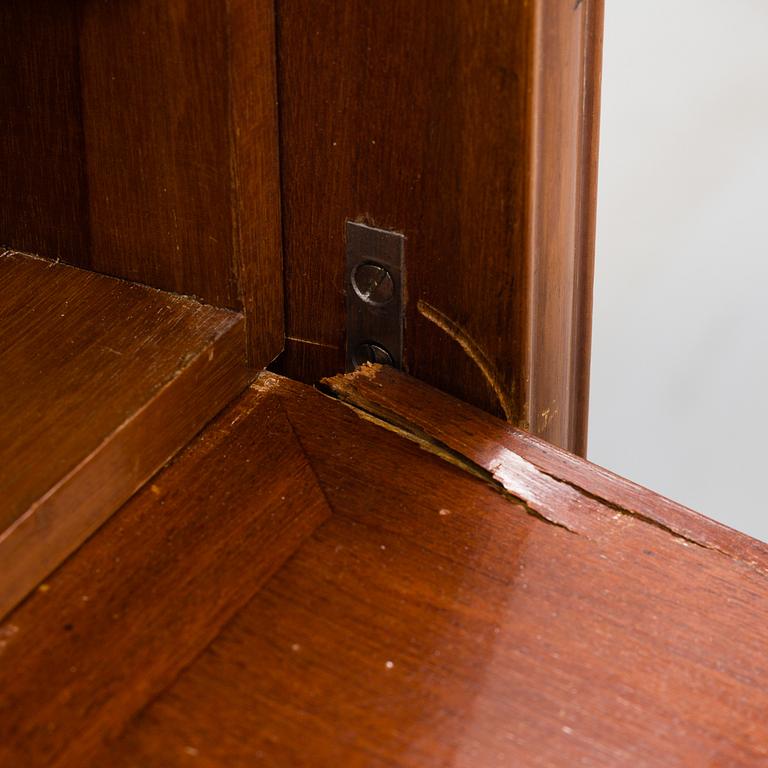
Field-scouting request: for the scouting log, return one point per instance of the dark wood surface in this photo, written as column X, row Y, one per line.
column 157, row 144
column 471, row 129
column 140, row 139
column 101, row 382
column 43, row 187
column 433, row 618
column 256, row 175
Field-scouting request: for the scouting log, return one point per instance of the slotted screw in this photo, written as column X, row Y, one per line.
column 368, row 352
column 373, row 283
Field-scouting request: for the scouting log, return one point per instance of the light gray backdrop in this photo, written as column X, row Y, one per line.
column 679, row 396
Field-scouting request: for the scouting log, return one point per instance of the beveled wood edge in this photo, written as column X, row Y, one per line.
column 232, row 316
column 594, row 12
column 161, row 551
column 55, row 526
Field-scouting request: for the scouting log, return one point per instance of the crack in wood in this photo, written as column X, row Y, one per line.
column 391, row 422
column 342, row 388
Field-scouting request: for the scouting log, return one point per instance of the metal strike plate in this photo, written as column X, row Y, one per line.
column 375, row 287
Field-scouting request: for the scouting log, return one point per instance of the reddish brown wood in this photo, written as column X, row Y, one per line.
column 101, row 382
column 571, row 490
column 561, row 204
column 432, row 620
column 141, row 141
column 137, row 603
column 305, row 355
column 586, row 217
column 406, row 581
column 157, row 144
column 469, row 128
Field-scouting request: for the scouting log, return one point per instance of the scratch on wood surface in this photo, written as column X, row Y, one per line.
column 5, row 252
column 545, row 417
column 266, row 381
column 475, row 353
column 313, row 343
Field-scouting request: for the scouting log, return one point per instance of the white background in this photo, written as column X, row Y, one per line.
column 679, row 395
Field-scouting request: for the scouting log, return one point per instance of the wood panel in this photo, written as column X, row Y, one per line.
column 436, row 620
column 586, row 216
column 43, row 191
column 471, row 129
column 155, row 104
column 561, row 204
column 119, row 620
column 563, row 486
column 142, row 143
column 256, row 175
column 101, row 382
column 426, row 617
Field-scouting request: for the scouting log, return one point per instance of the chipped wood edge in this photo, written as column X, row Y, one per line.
column 343, row 387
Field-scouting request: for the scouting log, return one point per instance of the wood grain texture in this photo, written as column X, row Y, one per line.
column 256, row 175
column 101, row 382
column 561, row 206
column 43, row 192
column 433, row 620
column 471, row 129
column 141, row 141
column 155, row 104
column 562, row 486
column 120, row 619
column 587, row 221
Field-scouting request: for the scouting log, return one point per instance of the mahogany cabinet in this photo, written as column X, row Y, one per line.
column 216, row 547
column 217, row 148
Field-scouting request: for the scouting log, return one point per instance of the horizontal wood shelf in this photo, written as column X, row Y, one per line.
column 313, row 583
column 101, row 382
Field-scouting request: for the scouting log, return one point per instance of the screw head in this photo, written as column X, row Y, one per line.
column 368, row 352
column 373, row 283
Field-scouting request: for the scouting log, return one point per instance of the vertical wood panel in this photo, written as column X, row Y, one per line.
column 586, row 221
column 43, row 195
column 256, row 175
column 460, row 124
column 559, row 316
column 155, row 104
column 142, row 143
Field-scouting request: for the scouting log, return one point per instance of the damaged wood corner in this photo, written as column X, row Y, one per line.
column 341, row 387
column 543, row 494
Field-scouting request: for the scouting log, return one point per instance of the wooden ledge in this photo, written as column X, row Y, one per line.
column 560, row 485
column 101, row 382
column 305, row 586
